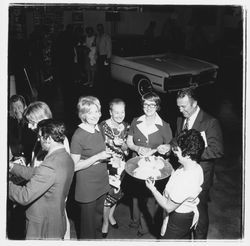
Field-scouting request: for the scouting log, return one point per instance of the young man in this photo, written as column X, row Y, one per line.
column 195, row 118
column 48, row 185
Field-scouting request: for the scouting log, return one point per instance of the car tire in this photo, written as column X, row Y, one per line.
column 144, row 86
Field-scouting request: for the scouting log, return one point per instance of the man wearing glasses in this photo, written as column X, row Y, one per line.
column 48, row 185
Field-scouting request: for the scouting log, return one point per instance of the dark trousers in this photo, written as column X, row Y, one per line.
column 203, row 223
column 202, row 227
column 91, row 218
column 179, row 226
column 103, row 72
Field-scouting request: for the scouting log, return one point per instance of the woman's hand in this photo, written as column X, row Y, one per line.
column 163, row 148
column 143, row 151
column 118, row 141
column 104, row 155
column 150, row 183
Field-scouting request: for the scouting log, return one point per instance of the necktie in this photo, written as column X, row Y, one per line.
column 186, row 124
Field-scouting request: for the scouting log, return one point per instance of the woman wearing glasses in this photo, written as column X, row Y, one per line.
column 148, row 133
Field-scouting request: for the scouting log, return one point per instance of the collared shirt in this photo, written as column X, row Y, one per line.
column 87, row 128
column 152, row 136
column 147, row 130
column 192, row 118
column 91, row 182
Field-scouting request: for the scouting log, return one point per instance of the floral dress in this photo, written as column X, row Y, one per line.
column 115, row 140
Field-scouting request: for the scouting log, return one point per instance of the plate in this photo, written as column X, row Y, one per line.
column 132, row 165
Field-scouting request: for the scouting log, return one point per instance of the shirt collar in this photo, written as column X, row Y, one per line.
column 87, row 128
column 158, row 120
column 192, row 118
column 194, row 115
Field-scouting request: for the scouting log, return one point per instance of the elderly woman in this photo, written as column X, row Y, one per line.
column 89, row 153
column 115, row 132
column 34, row 113
column 147, row 134
column 180, row 197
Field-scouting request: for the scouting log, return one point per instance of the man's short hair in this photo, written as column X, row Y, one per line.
column 191, row 144
column 52, row 128
column 190, row 92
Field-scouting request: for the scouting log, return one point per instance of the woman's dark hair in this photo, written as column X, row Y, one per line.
column 52, row 128
column 191, row 143
column 151, row 96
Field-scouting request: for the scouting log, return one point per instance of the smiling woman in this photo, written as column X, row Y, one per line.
column 89, row 155
column 148, row 132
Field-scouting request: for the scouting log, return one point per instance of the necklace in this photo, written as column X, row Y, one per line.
column 116, row 130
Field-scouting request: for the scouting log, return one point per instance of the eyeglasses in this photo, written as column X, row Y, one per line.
column 145, row 105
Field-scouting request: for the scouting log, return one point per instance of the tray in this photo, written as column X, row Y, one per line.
column 132, row 164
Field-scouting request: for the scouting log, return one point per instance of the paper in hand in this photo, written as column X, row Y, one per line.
column 203, row 134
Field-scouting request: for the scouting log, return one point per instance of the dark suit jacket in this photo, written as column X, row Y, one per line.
column 45, row 193
column 211, row 127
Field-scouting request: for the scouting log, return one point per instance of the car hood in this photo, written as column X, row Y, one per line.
column 174, row 64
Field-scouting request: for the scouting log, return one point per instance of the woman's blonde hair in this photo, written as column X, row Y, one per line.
column 37, row 111
column 84, row 104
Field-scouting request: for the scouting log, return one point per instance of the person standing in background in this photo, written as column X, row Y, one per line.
column 195, row 118
column 104, row 52
column 21, row 140
column 90, row 56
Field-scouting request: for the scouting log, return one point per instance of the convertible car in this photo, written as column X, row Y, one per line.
column 163, row 72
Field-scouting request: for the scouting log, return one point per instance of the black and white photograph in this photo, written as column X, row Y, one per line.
column 124, row 121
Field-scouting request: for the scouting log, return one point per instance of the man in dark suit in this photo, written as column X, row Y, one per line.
column 47, row 187
column 194, row 117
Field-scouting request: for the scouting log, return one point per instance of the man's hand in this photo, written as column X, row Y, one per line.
column 163, row 149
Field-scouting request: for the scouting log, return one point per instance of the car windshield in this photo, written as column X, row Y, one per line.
column 136, row 45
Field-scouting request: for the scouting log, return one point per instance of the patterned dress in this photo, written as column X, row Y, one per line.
column 115, row 140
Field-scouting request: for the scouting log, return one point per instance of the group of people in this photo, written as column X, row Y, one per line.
column 97, row 155
column 95, row 49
